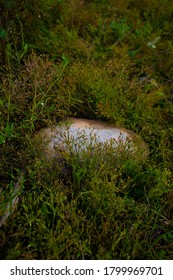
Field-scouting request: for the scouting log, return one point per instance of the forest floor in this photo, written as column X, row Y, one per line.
column 108, row 60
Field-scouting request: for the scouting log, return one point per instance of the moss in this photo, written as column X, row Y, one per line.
column 94, row 59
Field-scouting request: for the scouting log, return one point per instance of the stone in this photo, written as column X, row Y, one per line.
column 73, row 136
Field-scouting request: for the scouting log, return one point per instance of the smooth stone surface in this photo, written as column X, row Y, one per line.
column 75, row 135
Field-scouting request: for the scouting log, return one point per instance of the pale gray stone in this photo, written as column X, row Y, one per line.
column 77, row 135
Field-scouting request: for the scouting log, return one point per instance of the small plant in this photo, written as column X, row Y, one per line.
column 7, row 133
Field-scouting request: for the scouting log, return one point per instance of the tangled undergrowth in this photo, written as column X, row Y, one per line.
column 106, row 59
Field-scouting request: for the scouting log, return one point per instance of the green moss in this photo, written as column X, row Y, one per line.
column 94, row 59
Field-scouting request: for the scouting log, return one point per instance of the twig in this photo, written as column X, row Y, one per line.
column 11, row 206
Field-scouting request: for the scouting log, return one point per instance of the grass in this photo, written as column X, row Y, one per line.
column 110, row 60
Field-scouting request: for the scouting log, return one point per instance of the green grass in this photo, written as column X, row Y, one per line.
column 110, row 60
